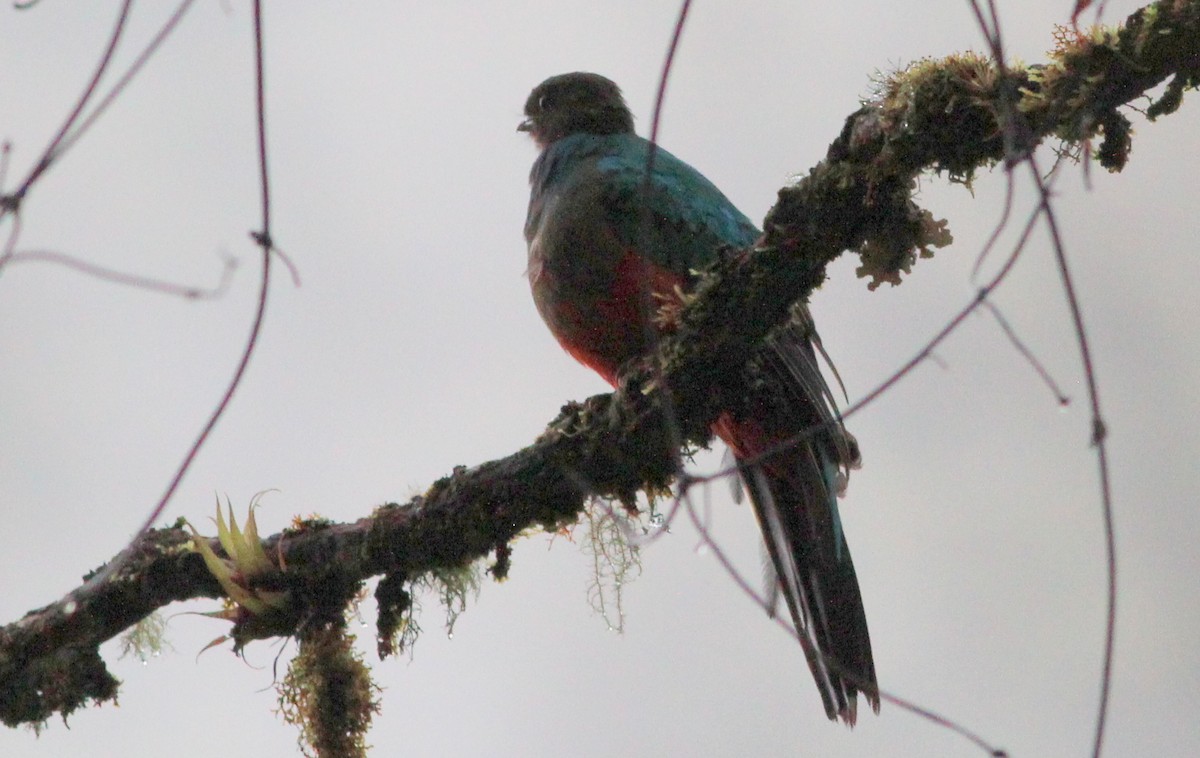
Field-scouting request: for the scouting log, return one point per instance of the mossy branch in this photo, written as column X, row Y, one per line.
column 953, row 115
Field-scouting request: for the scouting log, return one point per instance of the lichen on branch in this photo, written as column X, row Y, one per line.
column 955, row 115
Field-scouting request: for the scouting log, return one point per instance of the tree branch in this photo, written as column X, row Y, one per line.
column 955, row 115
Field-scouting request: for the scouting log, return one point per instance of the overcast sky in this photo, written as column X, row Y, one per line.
column 399, row 190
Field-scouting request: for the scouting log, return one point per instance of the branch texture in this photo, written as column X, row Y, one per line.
column 955, row 115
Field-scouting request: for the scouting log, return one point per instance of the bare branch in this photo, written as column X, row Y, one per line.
column 947, row 115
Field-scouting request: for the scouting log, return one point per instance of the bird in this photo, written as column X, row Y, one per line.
column 608, row 253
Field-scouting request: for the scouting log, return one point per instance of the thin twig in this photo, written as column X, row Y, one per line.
column 1001, row 225
column 1099, row 435
column 69, row 137
column 644, row 220
column 261, row 107
column 263, row 238
column 52, row 150
column 124, row 278
column 992, row 32
column 1026, row 353
column 832, row 663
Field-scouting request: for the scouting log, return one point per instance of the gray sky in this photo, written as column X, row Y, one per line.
column 412, row 346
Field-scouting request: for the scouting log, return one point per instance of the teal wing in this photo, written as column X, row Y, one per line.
column 679, row 220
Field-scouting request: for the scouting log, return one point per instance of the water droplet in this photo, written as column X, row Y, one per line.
column 702, row 548
column 657, row 520
column 449, row 635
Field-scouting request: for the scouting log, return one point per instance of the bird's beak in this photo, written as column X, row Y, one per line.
column 525, row 126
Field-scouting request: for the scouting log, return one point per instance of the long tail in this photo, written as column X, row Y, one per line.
column 797, row 512
column 796, row 458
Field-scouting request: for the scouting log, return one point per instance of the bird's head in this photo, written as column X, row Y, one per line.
column 575, row 103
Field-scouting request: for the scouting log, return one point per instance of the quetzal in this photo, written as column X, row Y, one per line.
column 598, row 255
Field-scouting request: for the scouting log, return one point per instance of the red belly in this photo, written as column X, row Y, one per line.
column 604, row 329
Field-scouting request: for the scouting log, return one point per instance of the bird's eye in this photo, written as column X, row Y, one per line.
column 544, row 103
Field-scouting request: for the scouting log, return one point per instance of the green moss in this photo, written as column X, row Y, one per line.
column 452, row 586
column 615, row 561
column 499, row 570
column 146, row 638
column 400, row 605
column 328, row 695
column 395, row 611
column 311, row 523
column 937, row 114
